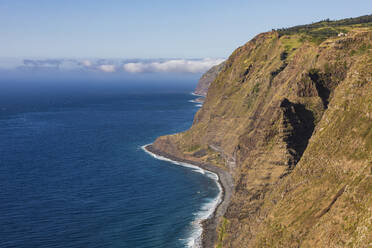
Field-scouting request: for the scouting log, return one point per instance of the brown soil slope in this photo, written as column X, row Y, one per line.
column 291, row 119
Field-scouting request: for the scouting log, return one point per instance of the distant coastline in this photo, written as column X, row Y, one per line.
column 226, row 184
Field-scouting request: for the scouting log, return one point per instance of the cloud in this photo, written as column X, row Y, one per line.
column 135, row 67
column 112, row 65
column 173, row 65
column 87, row 63
column 107, row 68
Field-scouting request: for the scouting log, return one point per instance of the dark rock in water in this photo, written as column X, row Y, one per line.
column 207, row 79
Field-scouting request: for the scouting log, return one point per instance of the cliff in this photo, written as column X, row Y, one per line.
column 207, row 78
column 290, row 118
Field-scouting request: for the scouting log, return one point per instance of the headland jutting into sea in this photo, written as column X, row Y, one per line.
column 289, row 117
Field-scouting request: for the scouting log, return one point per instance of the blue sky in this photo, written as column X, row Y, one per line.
column 151, row 29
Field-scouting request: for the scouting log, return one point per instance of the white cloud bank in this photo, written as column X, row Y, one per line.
column 107, row 68
column 173, row 65
column 114, row 65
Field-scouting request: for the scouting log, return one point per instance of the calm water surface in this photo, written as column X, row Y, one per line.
column 72, row 173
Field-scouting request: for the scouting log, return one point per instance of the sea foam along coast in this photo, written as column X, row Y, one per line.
column 206, row 234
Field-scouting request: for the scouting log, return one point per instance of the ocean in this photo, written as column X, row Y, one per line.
column 73, row 173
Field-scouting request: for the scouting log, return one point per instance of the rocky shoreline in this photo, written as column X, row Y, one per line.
column 225, row 179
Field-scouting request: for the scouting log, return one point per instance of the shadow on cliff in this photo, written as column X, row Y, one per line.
column 298, row 123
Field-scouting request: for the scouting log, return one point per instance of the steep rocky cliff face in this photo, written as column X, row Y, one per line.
column 207, row 78
column 291, row 119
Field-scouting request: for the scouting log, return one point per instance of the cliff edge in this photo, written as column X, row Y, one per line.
column 289, row 116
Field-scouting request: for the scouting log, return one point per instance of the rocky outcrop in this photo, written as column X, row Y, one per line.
column 207, row 78
column 290, row 117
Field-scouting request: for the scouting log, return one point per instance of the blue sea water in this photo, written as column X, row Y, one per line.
column 73, row 174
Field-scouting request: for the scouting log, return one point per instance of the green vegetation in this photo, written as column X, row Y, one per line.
column 222, row 232
column 291, row 42
column 361, row 50
column 251, row 98
column 193, row 148
column 320, row 31
column 256, row 89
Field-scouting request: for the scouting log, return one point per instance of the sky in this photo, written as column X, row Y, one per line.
column 151, row 29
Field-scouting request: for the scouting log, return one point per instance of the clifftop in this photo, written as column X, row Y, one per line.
column 290, row 117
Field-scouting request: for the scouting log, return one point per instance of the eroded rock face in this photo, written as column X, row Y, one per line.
column 295, row 117
column 207, row 78
column 297, row 128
